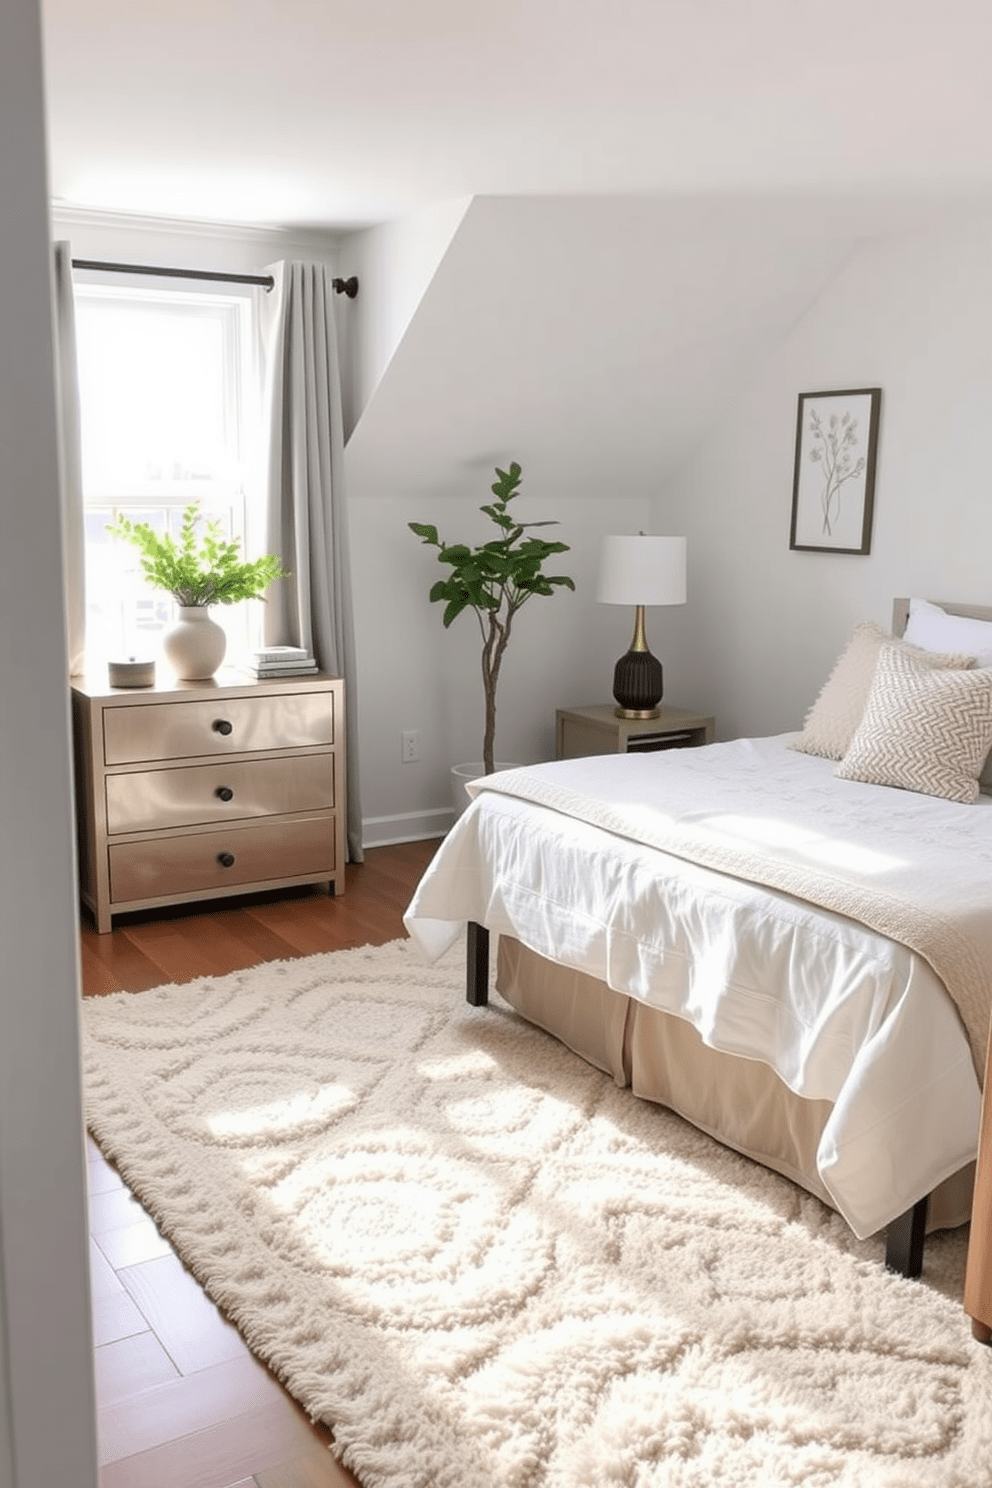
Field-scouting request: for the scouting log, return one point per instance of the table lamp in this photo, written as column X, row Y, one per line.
column 639, row 571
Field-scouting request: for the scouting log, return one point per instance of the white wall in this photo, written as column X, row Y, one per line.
column 47, row 1422
column 912, row 314
column 394, row 262
column 593, row 341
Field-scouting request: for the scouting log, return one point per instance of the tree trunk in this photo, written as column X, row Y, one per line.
column 492, row 657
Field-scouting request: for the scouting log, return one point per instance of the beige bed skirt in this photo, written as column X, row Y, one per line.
column 740, row 1102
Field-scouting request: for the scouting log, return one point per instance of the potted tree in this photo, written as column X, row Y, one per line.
column 494, row 579
column 197, row 572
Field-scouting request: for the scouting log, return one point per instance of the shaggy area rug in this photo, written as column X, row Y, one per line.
column 485, row 1266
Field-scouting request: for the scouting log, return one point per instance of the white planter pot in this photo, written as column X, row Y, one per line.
column 194, row 646
column 460, row 777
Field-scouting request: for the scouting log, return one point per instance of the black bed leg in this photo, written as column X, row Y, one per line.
column 477, row 965
column 904, row 1240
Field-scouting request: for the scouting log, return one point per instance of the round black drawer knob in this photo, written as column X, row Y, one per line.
column 226, row 860
column 224, row 792
column 222, row 726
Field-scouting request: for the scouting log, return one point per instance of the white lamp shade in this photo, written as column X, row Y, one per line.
column 642, row 570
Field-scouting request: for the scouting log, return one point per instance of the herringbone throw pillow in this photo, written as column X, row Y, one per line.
column 922, row 730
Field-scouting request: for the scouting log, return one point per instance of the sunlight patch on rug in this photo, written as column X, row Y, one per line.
column 486, row 1266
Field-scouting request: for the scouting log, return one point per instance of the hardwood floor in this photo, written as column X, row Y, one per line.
column 181, row 1401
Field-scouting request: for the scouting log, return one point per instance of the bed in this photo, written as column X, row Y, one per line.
column 786, row 940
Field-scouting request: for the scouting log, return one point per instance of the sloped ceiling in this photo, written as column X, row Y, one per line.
column 600, row 338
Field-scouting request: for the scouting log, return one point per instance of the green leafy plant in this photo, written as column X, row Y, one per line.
column 494, row 579
column 198, row 571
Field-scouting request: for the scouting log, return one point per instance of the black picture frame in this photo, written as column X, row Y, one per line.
column 833, row 487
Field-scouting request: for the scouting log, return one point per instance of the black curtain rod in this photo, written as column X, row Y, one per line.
column 347, row 287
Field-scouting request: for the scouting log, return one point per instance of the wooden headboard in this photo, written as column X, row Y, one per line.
column 900, row 612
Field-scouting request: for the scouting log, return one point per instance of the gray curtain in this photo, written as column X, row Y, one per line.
column 70, row 458
column 307, row 511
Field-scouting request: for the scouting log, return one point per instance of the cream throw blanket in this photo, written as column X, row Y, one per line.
column 911, row 867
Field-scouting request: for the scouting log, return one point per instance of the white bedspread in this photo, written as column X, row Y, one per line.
column 841, row 1013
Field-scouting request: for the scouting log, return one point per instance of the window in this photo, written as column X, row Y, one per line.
column 168, row 410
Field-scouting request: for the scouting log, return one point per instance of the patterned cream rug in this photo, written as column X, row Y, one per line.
column 487, row 1267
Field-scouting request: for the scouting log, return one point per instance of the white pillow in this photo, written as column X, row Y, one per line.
column 935, row 630
column 923, row 729
column 836, row 713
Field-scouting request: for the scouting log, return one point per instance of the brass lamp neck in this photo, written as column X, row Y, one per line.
column 640, row 640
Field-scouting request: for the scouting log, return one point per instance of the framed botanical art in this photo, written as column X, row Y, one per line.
column 833, row 488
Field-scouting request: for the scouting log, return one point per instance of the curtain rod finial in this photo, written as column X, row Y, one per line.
column 347, row 287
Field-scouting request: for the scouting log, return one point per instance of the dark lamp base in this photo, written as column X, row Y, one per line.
column 638, row 685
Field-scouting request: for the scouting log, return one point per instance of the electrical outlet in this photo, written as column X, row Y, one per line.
column 409, row 746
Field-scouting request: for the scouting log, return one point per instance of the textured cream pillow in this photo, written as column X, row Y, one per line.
column 833, row 718
column 922, row 730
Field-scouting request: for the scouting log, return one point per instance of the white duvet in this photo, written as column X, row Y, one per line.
column 841, row 1013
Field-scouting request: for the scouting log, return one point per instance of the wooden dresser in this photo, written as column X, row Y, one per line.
column 194, row 790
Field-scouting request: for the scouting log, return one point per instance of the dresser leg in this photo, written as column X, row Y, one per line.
column 981, row 1331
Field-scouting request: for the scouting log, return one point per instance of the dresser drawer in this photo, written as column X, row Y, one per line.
column 190, row 864
column 224, row 725
column 192, row 795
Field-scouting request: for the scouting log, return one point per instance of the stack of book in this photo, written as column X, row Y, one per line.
column 281, row 661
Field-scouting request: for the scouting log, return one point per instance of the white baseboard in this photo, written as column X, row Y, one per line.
column 406, row 826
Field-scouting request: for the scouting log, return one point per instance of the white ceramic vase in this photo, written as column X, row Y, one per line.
column 194, row 645
column 460, row 777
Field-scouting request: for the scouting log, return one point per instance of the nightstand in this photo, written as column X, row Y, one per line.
column 598, row 730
